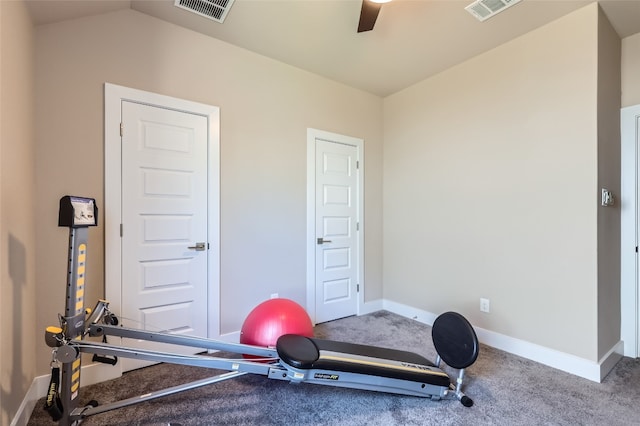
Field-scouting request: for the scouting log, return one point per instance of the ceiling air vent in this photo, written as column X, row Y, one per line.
column 213, row 9
column 485, row 9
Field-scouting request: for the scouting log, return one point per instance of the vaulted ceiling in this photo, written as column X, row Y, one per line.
column 412, row 39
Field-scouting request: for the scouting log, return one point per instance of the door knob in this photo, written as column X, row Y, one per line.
column 322, row 241
column 198, row 247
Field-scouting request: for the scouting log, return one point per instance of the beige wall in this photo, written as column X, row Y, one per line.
column 631, row 70
column 491, row 188
column 266, row 108
column 608, row 134
column 17, row 208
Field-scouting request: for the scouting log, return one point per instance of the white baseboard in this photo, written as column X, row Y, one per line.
column 28, row 403
column 233, row 337
column 594, row 371
column 610, row 360
column 409, row 312
column 369, row 307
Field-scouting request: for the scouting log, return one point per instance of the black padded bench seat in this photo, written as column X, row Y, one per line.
column 307, row 353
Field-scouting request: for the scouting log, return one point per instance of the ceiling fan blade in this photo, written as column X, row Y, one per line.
column 368, row 15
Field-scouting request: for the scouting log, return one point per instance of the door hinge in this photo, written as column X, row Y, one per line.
column 357, row 288
column 121, row 129
column 636, row 249
column 357, row 164
column 357, row 226
column 120, row 230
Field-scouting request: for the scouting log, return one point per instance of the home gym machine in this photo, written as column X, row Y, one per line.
column 296, row 359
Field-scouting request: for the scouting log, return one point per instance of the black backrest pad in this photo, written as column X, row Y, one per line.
column 455, row 340
column 297, row 351
column 308, row 353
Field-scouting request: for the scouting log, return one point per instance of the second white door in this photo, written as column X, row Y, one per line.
column 337, row 227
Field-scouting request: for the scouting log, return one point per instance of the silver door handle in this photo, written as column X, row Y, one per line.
column 198, row 247
column 322, row 241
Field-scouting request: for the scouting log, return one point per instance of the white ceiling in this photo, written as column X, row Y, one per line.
column 412, row 39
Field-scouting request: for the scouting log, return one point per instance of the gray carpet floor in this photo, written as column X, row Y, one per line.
column 506, row 389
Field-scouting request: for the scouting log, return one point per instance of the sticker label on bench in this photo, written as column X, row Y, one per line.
column 326, row 376
column 416, row 366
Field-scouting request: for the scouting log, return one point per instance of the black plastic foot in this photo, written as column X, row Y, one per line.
column 466, row 401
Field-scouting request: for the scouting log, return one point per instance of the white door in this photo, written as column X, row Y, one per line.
column 164, row 223
column 630, row 227
column 337, row 243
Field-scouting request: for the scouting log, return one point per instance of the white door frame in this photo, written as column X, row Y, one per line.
column 312, row 135
column 629, row 199
column 112, row 216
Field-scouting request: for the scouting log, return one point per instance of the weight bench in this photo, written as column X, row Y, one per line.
column 327, row 362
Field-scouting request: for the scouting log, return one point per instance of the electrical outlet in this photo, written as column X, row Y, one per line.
column 484, row 305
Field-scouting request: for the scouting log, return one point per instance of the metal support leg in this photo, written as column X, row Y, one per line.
column 81, row 413
column 464, row 399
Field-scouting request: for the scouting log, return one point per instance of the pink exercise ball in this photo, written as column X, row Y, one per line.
column 272, row 319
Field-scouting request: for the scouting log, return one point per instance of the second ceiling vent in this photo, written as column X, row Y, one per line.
column 485, row 9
